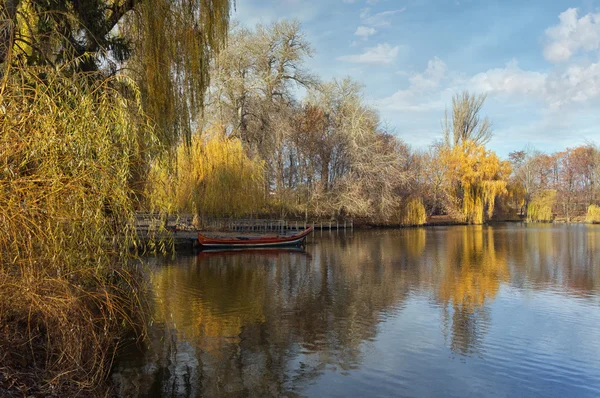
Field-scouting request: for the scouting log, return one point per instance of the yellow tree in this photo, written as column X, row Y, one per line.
column 475, row 177
column 212, row 175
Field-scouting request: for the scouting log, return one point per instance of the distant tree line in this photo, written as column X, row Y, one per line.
column 563, row 184
column 327, row 154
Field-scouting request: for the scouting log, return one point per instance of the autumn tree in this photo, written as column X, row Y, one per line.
column 476, row 177
column 359, row 164
column 253, row 89
column 211, row 176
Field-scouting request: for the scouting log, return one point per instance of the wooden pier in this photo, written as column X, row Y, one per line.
column 181, row 230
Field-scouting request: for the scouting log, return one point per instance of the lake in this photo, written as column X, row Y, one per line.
column 505, row 310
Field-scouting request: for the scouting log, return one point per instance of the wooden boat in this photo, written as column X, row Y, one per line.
column 253, row 241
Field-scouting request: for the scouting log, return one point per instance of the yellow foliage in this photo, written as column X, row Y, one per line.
column 413, row 213
column 475, row 178
column 212, row 175
column 26, row 22
column 480, row 271
column 540, row 207
column 593, row 214
column 68, row 148
column 517, row 192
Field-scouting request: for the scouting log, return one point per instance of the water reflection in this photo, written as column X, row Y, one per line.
column 273, row 323
column 470, row 276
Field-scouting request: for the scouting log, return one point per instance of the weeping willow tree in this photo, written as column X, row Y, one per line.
column 164, row 45
column 68, row 148
column 211, row 176
column 174, row 42
column 475, row 177
column 593, row 214
column 413, row 213
column 541, row 205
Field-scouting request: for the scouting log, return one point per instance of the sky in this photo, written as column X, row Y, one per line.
column 537, row 61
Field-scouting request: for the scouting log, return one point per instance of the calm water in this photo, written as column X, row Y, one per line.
column 509, row 310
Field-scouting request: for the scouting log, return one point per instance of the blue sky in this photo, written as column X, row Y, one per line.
column 538, row 62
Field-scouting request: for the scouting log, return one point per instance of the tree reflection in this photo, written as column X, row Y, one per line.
column 472, row 271
column 271, row 323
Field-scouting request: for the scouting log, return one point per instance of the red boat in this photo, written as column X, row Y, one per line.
column 253, row 241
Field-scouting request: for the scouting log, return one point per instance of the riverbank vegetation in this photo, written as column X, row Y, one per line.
column 69, row 148
column 108, row 108
column 79, row 124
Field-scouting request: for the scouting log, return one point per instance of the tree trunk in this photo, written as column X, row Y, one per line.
column 325, row 175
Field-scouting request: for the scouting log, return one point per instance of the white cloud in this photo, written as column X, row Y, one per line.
column 364, row 32
column 431, row 77
column 430, row 89
column 510, row 80
column 381, row 54
column 577, row 84
column 409, row 101
column 364, row 13
column 381, row 19
column 349, row 1
column 571, row 35
column 421, row 95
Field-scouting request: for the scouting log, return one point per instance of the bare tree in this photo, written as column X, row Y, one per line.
column 466, row 123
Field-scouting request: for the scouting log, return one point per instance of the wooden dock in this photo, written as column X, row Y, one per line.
column 181, row 231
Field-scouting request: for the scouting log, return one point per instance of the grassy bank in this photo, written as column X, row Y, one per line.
column 69, row 146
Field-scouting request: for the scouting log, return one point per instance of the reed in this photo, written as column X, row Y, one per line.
column 70, row 145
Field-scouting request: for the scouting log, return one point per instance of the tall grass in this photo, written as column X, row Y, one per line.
column 69, row 148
